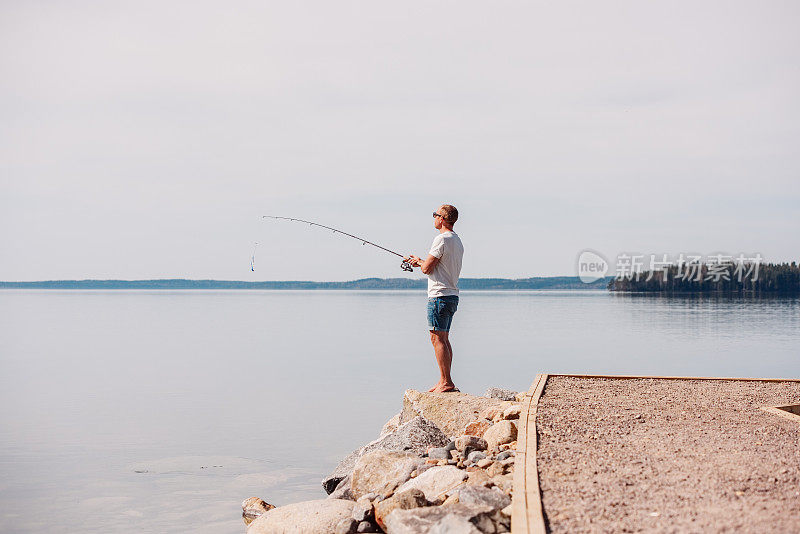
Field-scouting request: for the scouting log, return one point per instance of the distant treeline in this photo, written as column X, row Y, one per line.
column 772, row 278
column 551, row 282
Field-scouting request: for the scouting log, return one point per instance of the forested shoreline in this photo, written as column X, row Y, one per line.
column 767, row 278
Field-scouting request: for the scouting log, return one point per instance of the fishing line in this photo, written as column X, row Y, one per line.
column 404, row 265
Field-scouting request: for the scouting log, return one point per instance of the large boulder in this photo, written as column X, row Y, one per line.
column 381, row 472
column 416, row 434
column 455, row 518
column 451, row 412
column 436, row 481
column 309, row 517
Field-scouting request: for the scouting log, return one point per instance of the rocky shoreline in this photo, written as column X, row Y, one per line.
column 443, row 464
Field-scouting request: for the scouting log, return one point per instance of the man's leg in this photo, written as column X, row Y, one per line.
column 444, row 358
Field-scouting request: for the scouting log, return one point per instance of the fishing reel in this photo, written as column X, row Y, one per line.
column 407, row 267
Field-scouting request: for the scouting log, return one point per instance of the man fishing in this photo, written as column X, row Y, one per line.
column 443, row 267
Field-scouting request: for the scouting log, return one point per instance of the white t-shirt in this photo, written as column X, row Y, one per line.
column 443, row 280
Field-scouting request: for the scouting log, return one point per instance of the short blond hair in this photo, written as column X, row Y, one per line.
column 450, row 213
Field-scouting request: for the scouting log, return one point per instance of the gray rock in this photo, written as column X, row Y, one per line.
column 451, row 445
column 416, row 435
column 363, row 511
column 342, row 491
column 439, row 453
column 391, row 425
column 500, row 393
column 348, row 525
column 505, row 454
column 481, row 496
column 403, row 500
column 366, row 526
column 382, row 472
column 474, row 456
column 455, row 518
column 309, row 517
column 473, row 442
column 436, row 481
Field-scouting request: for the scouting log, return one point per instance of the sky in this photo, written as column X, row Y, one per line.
column 146, row 139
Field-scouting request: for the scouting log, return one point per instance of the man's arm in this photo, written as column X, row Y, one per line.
column 426, row 266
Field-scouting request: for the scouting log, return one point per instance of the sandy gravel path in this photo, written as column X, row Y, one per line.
column 649, row 455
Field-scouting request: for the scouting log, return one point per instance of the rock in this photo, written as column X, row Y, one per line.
column 342, row 491
column 390, row 425
column 495, row 469
column 362, row 511
column 500, row 433
column 502, row 394
column 382, row 472
column 477, row 495
column 403, row 500
column 474, row 442
column 451, row 411
column 439, row 453
column 253, row 508
column 456, row 518
column 309, row 517
column 451, row 445
column 452, row 499
column 436, row 481
column 486, row 462
column 506, row 511
column 365, row 526
column 477, row 428
column 495, row 412
column 475, row 456
column 504, row 482
column 479, row 478
column 416, row 435
column 512, row 412
column 348, row 525
column 505, row 454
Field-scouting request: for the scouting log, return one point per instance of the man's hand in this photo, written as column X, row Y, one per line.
column 425, row 265
column 413, row 260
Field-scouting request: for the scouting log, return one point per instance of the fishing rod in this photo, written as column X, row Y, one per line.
column 405, row 265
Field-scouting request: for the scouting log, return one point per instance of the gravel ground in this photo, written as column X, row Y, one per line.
column 650, row 455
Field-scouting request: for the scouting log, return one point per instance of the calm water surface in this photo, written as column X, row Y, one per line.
column 160, row 411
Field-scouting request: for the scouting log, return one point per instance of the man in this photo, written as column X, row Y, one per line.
column 442, row 266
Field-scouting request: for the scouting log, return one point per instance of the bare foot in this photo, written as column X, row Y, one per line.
column 438, row 384
column 445, row 387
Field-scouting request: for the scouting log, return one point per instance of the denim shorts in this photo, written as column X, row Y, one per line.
column 440, row 312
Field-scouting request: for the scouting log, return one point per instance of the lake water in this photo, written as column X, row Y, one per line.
column 160, row 411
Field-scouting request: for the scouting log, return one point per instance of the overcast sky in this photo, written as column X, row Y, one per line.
column 146, row 139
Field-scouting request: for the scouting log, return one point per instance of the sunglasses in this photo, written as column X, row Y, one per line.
column 437, row 215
